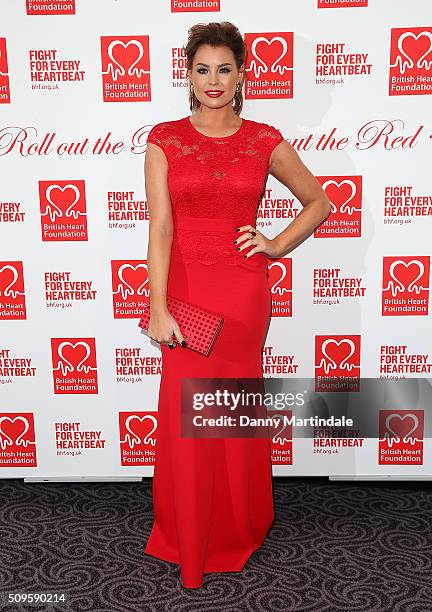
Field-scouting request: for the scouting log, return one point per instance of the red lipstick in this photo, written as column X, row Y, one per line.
column 213, row 93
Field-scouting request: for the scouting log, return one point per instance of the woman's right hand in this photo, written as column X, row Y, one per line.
column 162, row 327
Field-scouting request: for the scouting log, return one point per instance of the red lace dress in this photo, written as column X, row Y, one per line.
column 212, row 498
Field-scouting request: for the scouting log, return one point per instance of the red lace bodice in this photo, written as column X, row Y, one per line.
column 212, row 181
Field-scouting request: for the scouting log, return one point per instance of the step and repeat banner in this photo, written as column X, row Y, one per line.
column 348, row 83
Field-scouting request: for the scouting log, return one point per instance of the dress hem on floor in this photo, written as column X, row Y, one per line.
column 208, row 568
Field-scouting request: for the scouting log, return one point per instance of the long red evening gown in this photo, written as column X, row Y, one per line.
column 213, row 498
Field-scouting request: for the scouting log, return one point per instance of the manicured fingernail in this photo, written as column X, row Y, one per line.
column 235, row 242
column 238, row 249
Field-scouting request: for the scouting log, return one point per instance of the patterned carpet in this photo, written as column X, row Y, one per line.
column 333, row 547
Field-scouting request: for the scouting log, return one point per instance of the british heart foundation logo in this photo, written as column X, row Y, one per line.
column 337, row 363
column 17, row 440
column 400, row 437
column 63, row 211
column 138, row 437
column 4, row 74
column 345, row 195
column 74, row 365
column 50, row 7
column 269, row 67
column 410, row 62
column 130, row 288
column 125, row 68
column 12, row 294
column 281, row 440
column 203, row 6
column 405, row 286
column 322, row 4
column 280, row 283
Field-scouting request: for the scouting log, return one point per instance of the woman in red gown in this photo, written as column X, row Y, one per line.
column 213, row 501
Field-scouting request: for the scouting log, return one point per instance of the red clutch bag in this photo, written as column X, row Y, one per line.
column 199, row 327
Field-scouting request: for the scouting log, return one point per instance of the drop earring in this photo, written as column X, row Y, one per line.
column 191, row 95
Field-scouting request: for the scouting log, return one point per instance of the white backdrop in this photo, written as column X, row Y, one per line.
column 348, row 83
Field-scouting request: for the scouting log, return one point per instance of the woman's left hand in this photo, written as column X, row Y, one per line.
column 261, row 244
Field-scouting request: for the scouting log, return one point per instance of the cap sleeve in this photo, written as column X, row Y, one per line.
column 158, row 135
column 274, row 138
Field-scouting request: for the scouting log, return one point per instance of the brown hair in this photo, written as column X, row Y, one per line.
column 216, row 34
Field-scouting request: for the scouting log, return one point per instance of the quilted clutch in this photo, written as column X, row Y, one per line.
column 199, row 327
